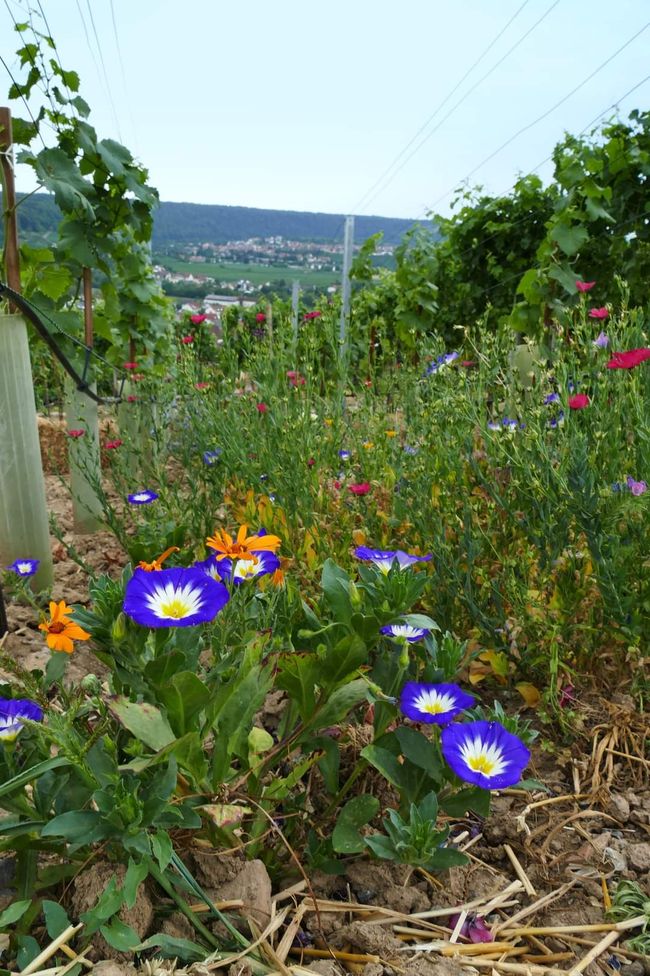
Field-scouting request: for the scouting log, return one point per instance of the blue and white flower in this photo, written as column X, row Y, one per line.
column 444, row 360
column 144, row 497
column 434, row 704
column 211, row 457
column 405, row 632
column 12, row 714
column 345, row 455
column 551, row 398
column 384, row 559
column 210, row 567
column 24, row 567
column 484, row 754
column 241, row 570
column 177, row 597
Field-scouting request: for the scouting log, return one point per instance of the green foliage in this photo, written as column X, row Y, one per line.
column 416, row 841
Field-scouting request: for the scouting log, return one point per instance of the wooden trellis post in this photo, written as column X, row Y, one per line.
column 24, row 528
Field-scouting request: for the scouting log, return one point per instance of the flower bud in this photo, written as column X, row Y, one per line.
column 118, row 630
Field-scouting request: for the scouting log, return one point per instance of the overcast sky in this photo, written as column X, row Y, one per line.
column 304, row 106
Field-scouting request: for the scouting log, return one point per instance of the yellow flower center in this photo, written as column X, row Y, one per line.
column 434, row 708
column 176, row 607
column 481, row 764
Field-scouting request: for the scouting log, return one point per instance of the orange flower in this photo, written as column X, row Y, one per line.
column 157, row 563
column 243, row 547
column 60, row 630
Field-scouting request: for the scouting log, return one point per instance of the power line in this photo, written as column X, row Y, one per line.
column 124, row 82
column 545, row 114
column 408, row 145
column 103, row 64
column 422, row 142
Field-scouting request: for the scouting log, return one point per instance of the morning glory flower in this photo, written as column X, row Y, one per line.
column 383, row 559
column 12, row 712
column 175, row 597
column 405, row 632
column 345, row 455
column 143, row 497
column 484, row 754
column 24, row 567
column 444, row 360
column 211, row 457
column 556, row 421
column 264, row 564
column 602, row 341
column 636, row 487
column 509, row 423
column 437, row 704
column 210, row 567
column 493, row 425
column 410, row 450
column 551, row 398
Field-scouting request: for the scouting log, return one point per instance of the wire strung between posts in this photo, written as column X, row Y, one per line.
column 34, row 315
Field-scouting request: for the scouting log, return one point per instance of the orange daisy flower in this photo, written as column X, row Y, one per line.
column 60, row 630
column 244, row 546
column 157, row 563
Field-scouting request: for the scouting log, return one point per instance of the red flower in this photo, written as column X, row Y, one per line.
column 295, row 379
column 598, row 313
column 197, row 319
column 260, row 317
column 76, row 433
column 361, row 489
column 131, row 399
column 311, row 462
column 113, row 445
column 130, row 365
column 337, row 485
column 579, row 401
column 585, row 285
column 629, row 359
column 468, row 363
column 312, row 315
column 187, row 340
column 201, row 386
column 262, row 407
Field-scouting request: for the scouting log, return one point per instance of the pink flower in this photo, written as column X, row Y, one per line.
column 309, row 316
column 468, row 363
column 311, row 462
column 629, row 359
column 201, row 386
column 361, row 489
column 598, row 313
column 295, row 379
column 197, row 319
column 137, row 377
column 636, row 487
column 338, row 485
column 579, row 401
column 260, row 317
column 113, row 445
column 567, row 696
column 473, row 928
column 131, row 399
column 262, row 407
column 76, row 433
column 130, row 365
column 187, row 340
column 585, row 285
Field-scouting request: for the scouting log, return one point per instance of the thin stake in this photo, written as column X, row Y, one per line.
column 50, row 950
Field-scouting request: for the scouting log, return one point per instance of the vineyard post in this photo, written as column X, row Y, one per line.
column 83, row 452
column 348, row 243
column 295, row 297
column 24, row 529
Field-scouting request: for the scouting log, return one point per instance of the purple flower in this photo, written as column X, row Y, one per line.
column 444, row 360
column 385, row 558
column 410, row 450
column 211, row 457
column 493, row 425
column 144, row 497
column 551, row 398
column 473, row 928
column 484, row 754
column 24, row 567
column 175, row 597
column 636, row 487
column 245, row 569
column 602, row 341
column 12, row 713
column 344, row 455
column 210, row 567
column 556, row 421
column 405, row 632
column 437, row 704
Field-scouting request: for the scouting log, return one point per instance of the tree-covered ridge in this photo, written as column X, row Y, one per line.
column 191, row 222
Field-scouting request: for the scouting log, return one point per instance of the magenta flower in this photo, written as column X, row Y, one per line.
column 585, row 285
column 187, row 340
column 197, row 319
column 260, row 317
column 360, row 489
column 579, row 401
column 598, row 313
column 629, row 359
column 113, row 445
column 473, row 928
column 262, row 408
column 130, row 365
column 76, row 433
column 636, row 487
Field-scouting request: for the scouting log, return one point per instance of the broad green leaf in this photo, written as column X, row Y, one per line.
column 470, row 798
column 387, row 764
column 446, row 857
column 120, row 936
column 357, row 812
column 162, row 848
column 14, row 912
column 336, row 587
column 144, row 721
column 135, row 875
column 56, row 918
column 173, row 948
column 31, row 774
column 569, row 238
column 78, row 827
column 339, row 704
column 381, row 845
column 419, row 751
column 184, row 697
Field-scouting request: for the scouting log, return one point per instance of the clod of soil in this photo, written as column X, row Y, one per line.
column 88, row 888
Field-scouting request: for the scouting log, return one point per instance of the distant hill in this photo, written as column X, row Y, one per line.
column 182, row 223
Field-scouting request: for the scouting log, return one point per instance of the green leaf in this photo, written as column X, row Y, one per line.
column 162, row 848
column 171, row 947
column 336, row 587
column 144, row 721
column 31, row 774
column 109, row 902
column 14, row 912
column 56, row 918
column 419, row 751
column 28, row 950
column 184, row 697
column 78, row 827
column 470, row 798
column 420, row 620
column 357, row 812
column 382, row 846
column 135, row 875
column 120, row 936
column 446, row 857
column 279, row 787
column 569, row 238
column 387, row 764
column 339, row 704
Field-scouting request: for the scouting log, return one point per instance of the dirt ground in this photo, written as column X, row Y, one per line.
column 572, row 842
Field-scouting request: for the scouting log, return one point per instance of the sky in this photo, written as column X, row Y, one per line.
column 303, row 106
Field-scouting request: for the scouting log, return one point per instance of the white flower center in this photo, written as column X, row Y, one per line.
column 246, row 569
column 142, row 496
column 483, row 757
column 24, row 567
column 175, row 602
column 434, row 703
